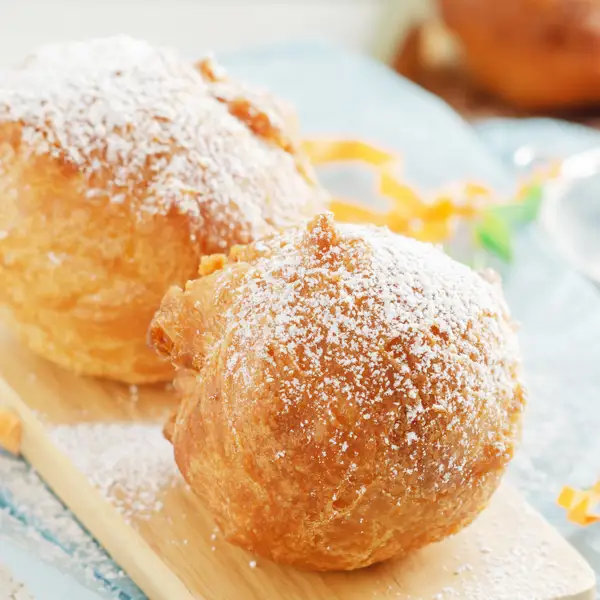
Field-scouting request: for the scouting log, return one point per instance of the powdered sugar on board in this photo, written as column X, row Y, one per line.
column 507, row 576
column 131, row 464
column 146, row 126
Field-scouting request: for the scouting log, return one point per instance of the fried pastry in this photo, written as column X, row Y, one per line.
column 348, row 394
column 121, row 165
column 535, row 54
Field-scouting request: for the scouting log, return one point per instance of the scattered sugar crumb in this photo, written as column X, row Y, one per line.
column 252, row 564
column 445, row 593
column 130, row 464
column 463, row 568
column 411, row 437
column 54, row 258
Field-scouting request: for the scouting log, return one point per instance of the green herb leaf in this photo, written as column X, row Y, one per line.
column 524, row 210
column 495, row 230
column 531, row 202
column 494, row 234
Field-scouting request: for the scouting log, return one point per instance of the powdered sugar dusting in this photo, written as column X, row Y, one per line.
column 131, row 464
column 412, row 341
column 510, row 575
column 145, row 124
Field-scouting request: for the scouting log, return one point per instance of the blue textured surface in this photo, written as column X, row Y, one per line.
column 338, row 93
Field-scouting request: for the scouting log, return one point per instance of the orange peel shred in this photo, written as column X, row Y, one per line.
column 10, row 431
column 336, row 150
column 580, row 504
column 409, row 213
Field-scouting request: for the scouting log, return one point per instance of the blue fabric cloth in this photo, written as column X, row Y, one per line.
column 340, row 93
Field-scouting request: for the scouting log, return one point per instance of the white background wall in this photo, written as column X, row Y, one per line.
column 198, row 25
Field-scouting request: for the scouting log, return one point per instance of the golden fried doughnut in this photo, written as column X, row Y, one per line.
column 536, row 54
column 121, row 165
column 348, row 394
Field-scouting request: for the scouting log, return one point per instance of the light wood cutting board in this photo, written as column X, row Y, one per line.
column 509, row 553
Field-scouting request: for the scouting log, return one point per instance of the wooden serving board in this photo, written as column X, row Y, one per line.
column 509, row 553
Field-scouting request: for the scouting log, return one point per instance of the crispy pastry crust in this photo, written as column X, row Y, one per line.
column 121, row 165
column 349, row 395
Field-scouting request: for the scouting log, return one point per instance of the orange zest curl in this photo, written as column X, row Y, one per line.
column 409, row 214
column 580, row 504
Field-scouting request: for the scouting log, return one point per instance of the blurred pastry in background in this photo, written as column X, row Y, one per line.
column 431, row 56
column 349, row 394
column 541, row 55
column 121, row 165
